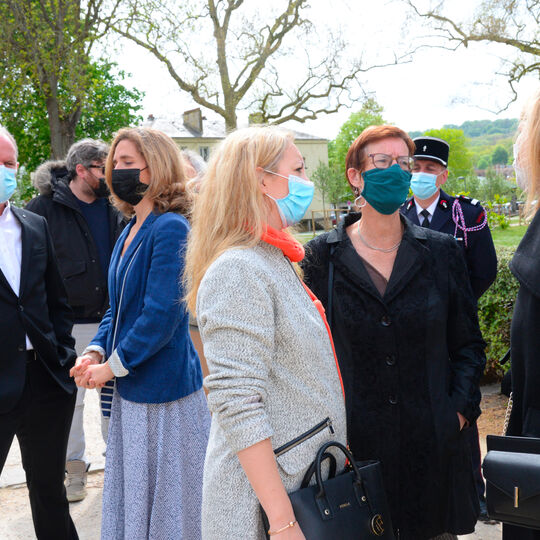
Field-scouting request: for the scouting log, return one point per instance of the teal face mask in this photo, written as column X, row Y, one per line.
column 424, row 185
column 293, row 207
column 8, row 183
column 386, row 189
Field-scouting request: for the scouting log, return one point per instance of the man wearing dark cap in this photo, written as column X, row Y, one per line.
column 462, row 217
column 466, row 220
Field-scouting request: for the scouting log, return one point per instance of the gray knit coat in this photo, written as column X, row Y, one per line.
column 272, row 375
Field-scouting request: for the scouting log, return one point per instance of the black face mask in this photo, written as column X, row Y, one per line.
column 102, row 190
column 126, row 185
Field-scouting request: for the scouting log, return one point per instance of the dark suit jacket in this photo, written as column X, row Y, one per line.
column 41, row 311
column 480, row 252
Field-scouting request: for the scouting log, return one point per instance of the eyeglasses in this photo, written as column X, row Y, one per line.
column 100, row 168
column 383, row 161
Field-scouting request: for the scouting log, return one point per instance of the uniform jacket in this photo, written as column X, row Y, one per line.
column 410, row 361
column 525, row 336
column 272, row 374
column 40, row 311
column 147, row 323
column 75, row 248
column 480, row 252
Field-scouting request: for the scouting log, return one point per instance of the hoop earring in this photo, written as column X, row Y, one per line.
column 359, row 205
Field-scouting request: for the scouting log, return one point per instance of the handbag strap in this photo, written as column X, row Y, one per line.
column 507, row 415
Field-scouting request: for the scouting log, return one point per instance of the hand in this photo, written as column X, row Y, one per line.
column 99, row 375
column 79, row 370
column 462, row 421
column 92, row 357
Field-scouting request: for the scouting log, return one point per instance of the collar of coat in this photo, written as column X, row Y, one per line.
column 409, row 229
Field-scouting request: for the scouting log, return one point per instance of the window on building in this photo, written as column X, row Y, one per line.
column 205, row 152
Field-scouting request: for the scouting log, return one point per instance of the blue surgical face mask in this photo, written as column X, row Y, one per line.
column 293, row 207
column 424, row 185
column 386, row 189
column 8, row 183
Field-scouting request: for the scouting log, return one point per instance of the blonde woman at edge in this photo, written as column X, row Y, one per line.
column 273, row 374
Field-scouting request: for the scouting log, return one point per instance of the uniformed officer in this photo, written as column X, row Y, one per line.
column 462, row 217
column 466, row 220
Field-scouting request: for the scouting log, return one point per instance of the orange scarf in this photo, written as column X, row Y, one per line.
column 291, row 248
column 294, row 251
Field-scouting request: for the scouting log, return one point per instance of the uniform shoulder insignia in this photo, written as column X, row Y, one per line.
column 474, row 202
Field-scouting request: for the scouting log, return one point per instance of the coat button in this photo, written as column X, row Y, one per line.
column 390, row 360
column 385, row 320
column 393, row 399
column 21, row 308
column 21, row 348
column 97, row 288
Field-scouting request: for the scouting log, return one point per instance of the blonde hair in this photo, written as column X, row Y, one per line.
column 230, row 209
column 529, row 149
column 167, row 187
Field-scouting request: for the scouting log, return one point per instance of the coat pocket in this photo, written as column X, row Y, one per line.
column 296, row 455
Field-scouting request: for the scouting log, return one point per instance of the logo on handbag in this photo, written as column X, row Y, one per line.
column 377, row 525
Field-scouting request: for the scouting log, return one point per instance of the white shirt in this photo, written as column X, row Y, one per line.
column 430, row 209
column 11, row 252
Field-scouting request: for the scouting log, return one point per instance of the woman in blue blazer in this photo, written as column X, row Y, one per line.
column 159, row 417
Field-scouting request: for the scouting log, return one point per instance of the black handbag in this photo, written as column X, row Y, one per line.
column 349, row 506
column 512, row 472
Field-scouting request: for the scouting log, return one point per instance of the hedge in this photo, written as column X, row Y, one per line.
column 495, row 309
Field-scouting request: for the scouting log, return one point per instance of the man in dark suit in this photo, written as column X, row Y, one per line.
column 37, row 396
column 466, row 220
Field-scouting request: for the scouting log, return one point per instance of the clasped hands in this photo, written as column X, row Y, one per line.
column 88, row 371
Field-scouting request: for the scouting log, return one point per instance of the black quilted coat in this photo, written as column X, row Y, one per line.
column 410, row 360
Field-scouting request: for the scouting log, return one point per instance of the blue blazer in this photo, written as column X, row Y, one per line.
column 147, row 323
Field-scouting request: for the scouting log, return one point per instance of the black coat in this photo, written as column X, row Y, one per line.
column 410, row 361
column 76, row 250
column 480, row 252
column 525, row 347
column 40, row 311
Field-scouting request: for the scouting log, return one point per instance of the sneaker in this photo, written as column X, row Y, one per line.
column 77, row 472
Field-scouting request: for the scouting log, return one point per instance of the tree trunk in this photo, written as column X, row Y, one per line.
column 62, row 132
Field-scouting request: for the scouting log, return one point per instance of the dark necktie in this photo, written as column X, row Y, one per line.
column 425, row 221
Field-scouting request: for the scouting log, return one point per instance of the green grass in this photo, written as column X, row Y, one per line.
column 509, row 237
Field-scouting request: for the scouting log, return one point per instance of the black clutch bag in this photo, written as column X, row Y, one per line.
column 348, row 506
column 512, row 472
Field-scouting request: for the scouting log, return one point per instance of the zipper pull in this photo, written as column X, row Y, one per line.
column 330, row 426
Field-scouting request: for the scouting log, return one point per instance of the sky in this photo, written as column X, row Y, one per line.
column 434, row 88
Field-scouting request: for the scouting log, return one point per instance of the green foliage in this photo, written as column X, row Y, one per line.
column 45, row 65
column 505, row 127
column 483, row 163
column 109, row 106
column 369, row 115
column 494, row 185
column 499, row 156
column 331, row 183
column 495, row 309
column 460, row 159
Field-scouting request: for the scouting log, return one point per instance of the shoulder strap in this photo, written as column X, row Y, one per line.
column 330, row 285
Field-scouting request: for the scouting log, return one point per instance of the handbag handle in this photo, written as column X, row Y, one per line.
column 311, row 471
column 318, row 463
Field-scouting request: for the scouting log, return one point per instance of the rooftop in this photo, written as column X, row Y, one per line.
column 212, row 129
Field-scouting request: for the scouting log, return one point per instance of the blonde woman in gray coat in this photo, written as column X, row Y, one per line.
column 273, row 373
